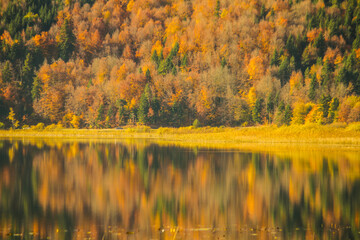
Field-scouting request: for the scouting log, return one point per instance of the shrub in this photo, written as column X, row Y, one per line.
column 196, row 124
column 51, row 127
column 354, row 127
column 2, row 125
column 354, row 115
column 300, row 112
column 39, row 126
column 25, row 127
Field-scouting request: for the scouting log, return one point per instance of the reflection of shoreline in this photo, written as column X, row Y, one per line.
column 139, row 183
column 274, row 147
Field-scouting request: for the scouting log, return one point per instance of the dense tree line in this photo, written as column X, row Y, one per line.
column 168, row 62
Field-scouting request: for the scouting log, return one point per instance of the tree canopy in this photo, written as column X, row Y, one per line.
column 167, row 63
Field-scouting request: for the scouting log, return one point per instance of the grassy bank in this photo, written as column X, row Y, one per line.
column 301, row 134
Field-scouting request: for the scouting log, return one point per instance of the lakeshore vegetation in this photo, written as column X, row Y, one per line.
column 334, row 136
column 175, row 63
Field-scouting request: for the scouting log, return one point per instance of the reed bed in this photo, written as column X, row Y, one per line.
column 296, row 134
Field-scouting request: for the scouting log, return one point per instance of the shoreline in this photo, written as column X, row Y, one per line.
column 348, row 135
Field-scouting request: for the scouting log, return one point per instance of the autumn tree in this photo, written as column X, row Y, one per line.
column 12, row 118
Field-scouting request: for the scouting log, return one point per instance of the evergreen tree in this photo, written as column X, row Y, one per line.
column 155, row 59
column 307, row 58
column 100, row 115
column 17, row 51
column 349, row 73
column 184, row 60
column 284, row 71
column 6, row 72
column 325, row 104
column 217, row 9
column 27, row 74
column 291, row 47
column 325, row 76
column 66, row 40
column 110, row 116
column 356, row 42
column 174, row 70
column 155, row 106
column 262, row 14
column 342, row 75
column 270, row 106
column 287, row 115
column 165, row 66
column 334, row 105
column 313, row 86
column 123, row 114
column 36, row 89
column 176, row 113
column 223, row 62
column 319, row 43
column 174, row 51
column 148, row 76
column 275, row 60
column 257, row 110
column 144, row 105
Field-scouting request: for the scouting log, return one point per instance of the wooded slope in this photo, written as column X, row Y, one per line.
column 168, row 62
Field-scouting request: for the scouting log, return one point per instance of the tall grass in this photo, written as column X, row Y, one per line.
column 308, row 133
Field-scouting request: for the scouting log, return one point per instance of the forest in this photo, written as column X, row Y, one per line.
column 104, row 64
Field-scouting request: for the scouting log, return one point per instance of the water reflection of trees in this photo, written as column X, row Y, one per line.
column 86, row 187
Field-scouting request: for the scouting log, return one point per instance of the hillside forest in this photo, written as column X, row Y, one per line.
column 103, row 64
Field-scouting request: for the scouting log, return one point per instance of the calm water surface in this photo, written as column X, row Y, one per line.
column 135, row 189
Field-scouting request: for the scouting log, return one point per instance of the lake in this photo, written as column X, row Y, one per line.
column 139, row 189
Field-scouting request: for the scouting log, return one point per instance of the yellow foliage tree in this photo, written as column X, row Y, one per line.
column 300, row 112
column 295, row 81
column 75, row 121
column 315, row 115
column 255, row 68
column 11, row 117
column 251, row 97
column 130, row 6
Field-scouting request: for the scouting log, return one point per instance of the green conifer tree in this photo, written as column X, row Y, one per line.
column 334, row 105
column 313, row 86
column 67, row 39
column 144, row 105
column 287, row 115
column 27, row 74
column 155, row 59
column 275, row 61
column 325, row 105
column 6, row 73
column 217, row 9
column 284, row 71
column 257, row 110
